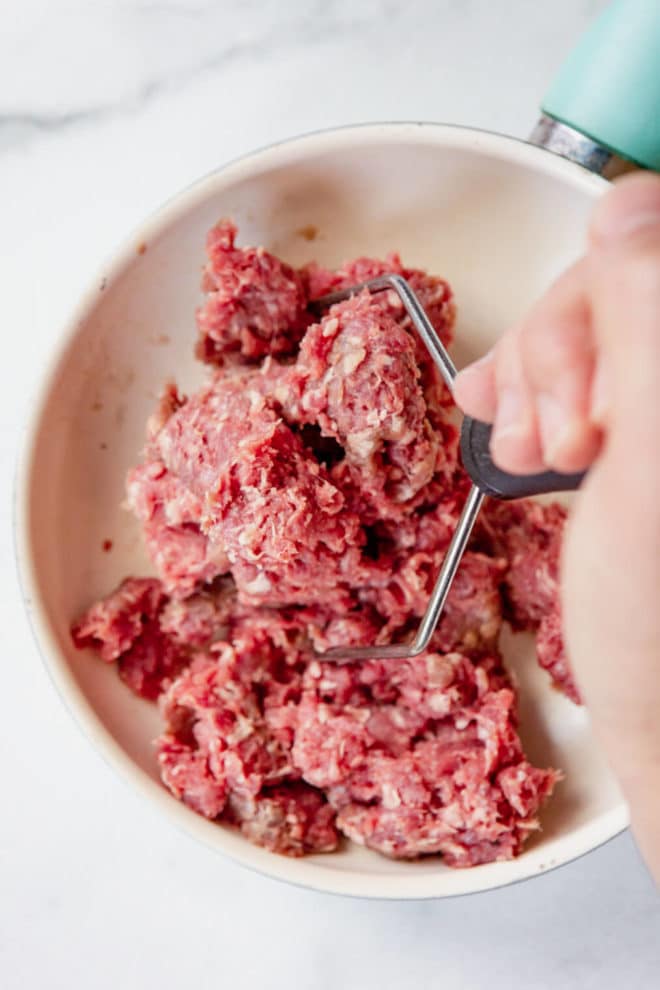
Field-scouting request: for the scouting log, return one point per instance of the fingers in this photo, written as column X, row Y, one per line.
column 494, row 390
column 515, row 438
column 474, row 389
column 536, row 385
column 587, row 353
column 559, row 358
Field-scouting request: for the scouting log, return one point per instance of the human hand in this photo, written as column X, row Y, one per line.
column 577, row 384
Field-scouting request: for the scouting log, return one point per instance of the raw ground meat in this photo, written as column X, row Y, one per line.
column 420, row 756
column 360, row 385
column 529, row 535
column 434, row 293
column 357, row 382
column 171, row 528
column 302, row 498
column 255, row 303
column 126, row 627
column 292, row 819
column 552, row 654
column 226, row 751
column 266, row 509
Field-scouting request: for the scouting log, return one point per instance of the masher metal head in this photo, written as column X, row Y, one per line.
column 487, row 478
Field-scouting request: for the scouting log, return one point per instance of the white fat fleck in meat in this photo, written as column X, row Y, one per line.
column 361, row 715
column 398, row 430
column 351, row 360
column 361, row 444
column 398, row 717
column 259, row 585
column 256, row 401
column 390, row 796
column 440, row 671
column 330, row 327
column 439, row 703
column 248, row 536
column 243, row 728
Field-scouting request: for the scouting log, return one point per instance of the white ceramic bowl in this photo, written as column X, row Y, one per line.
column 495, row 216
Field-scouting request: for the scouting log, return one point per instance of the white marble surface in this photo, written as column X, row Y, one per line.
column 105, row 109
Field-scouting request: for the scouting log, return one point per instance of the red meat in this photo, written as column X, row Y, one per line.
column 255, row 303
column 421, row 756
column 529, row 535
column 125, row 627
column 309, row 501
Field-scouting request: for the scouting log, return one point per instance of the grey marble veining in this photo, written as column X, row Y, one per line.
column 72, row 64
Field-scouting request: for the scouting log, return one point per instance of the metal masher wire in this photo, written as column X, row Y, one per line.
column 473, row 502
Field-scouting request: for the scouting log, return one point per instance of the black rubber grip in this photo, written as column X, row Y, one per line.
column 475, row 451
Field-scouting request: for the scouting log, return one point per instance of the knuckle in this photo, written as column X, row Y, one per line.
column 543, row 351
column 551, row 349
column 507, row 360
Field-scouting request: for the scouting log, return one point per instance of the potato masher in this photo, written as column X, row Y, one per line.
column 487, row 478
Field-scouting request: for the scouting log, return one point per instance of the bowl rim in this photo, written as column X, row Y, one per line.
column 305, row 872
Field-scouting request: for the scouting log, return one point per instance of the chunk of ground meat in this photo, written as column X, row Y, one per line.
column 399, row 582
column 472, row 617
column 420, row 756
column 125, row 627
column 434, row 293
column 200, row 619
column 171, row 519
column 359, row 402
column 375, row 499
column 358, row 627
column 267, row 509
column 292, row 819
column 255, row 303
column 529, row 535
column 215, row 725
column 551, row 654
column 360, row 384
column 188, row 775
column 227, row 747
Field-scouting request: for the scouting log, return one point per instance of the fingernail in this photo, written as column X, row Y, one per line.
column 510, row 418
column 554, row 425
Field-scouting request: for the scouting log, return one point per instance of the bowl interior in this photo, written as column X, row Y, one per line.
column 495, row 217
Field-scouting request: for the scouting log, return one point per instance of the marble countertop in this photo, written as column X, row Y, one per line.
column 106, row 108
